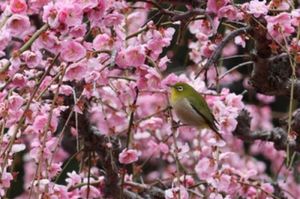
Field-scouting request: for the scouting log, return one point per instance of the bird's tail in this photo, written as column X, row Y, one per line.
column 214, row 127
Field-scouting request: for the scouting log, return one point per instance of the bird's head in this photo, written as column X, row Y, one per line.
column 180, row 90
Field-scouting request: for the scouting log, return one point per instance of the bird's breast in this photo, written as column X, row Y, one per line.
column 186, row 113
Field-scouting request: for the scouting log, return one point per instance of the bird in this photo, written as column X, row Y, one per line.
column 191, row 107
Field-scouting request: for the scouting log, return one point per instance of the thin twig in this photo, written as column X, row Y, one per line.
column 234, row 68
column 22, row 118
column 26, row 45
column 217, row 53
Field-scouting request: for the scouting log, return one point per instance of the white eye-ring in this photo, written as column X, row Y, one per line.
column 179, row 88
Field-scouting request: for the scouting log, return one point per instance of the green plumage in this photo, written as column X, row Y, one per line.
column 191, row 107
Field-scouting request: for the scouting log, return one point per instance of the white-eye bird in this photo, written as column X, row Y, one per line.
column 191, row 108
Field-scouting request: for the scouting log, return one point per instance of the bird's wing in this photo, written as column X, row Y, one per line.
column 199, row 104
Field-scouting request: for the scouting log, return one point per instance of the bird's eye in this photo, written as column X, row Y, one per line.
column 180, row 88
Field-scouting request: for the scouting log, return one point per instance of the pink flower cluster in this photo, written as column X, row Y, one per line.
column 105, row 60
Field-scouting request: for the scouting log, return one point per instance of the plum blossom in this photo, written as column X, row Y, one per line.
column 15, row 102
column 6, row 179
column 18, row 25
column 206, row 168
column 280, row 5
column 113, row 19
column 87, row 5
column 72, row 51
column 32, row 59
column 240, row 41
column 18, row 6
column 280, row 26
column 118, row 61
column 91, row 190
column 102, row 42
column 176, row 193
column 128, row 156
column 131, row 57
column 215, row 5
column 258, row 8
column 70, row 14
column 73, row 179
column 229, row 12
column 265, row 99
column 76, row 71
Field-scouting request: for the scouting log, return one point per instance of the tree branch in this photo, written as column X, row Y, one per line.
column 277, row 135
column 217, row 53
column 272, row 76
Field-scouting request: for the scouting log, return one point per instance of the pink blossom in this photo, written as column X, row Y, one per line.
column 36, row 5
column 64, row 89
column 50, row 15
column 113, row 19
column 203, row 28
column 47, row 40
column 258, row 8
column 207, row 49
column 32, row 59
column 240, row 41
column 76, row 71
column 128, row 156
column 265, row 98
column 6, row 178
column 174, row 192
column 205, row 168
column 162, row 65
column 87, row 5
column 18, row 6
column 234, row 100
column 73, row 179
column 132, row 56
column 215, row 196
column 222, row 183
column 15, row 102
column 72, row 51
column 187, row 180
column 136, row 20
column 295, row 17
column 228, row 124
column 71, row 15
column 171, row 79
column 152, row 123
column 17, row 25
column 40, row 122
column 60, row 191
column 102, row 42
column 280, row 26
column 215, row 5
column 229, row 50
column 78, row 31
column 280, row 5
column 229, row 12
column 130, row 81
column 157, row 40
column 267, row 187
column 163, row 148
column 96, row 14
column 91, row 191
column 54, row 169
column 19, row 80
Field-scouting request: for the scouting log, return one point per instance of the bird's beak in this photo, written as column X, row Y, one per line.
column 169, row 85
